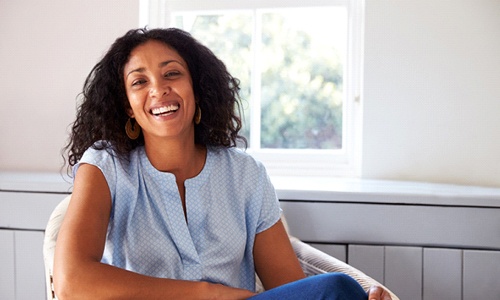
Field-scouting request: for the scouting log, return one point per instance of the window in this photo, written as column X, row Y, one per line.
column 299, row 67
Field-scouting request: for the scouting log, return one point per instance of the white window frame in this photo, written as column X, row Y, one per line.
column 345, row 162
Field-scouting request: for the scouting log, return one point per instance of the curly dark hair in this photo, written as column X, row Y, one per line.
column 103, row 112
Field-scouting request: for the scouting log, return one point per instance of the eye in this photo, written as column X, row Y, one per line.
column 138, row 82
column 171, row 74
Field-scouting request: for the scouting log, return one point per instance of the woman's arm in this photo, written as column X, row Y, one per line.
column 275, row 260
column 78, row 272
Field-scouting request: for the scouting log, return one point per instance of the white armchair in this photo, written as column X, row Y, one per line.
column 312, row 260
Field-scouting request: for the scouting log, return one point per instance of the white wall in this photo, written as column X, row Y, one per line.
column 47, row 48
column 432, row 91
column 431, row 99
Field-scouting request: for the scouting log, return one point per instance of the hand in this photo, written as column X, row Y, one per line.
column 378, row 293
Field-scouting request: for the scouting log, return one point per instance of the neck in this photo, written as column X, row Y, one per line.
column 182, row 158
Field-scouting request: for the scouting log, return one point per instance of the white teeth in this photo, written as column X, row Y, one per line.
column 164, row 109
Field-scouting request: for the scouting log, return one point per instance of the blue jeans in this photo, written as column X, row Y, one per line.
column 334, row 286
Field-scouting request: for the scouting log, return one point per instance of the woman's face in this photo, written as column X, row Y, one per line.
column 160, row 92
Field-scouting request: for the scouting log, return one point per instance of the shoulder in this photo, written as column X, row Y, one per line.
column 236, row 156
column 114, row 167
column 98, row 151
column 103, row 151
column 102, row 154
column 239, row 165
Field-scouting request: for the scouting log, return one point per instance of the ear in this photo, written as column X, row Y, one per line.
column 130, row 112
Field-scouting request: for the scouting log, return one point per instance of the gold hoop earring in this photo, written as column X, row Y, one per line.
column 197, row 115
column 132, row 130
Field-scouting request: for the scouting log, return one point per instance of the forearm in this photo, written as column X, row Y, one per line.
column 100, row 281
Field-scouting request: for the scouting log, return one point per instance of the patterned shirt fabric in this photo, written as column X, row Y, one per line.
column 227, row 204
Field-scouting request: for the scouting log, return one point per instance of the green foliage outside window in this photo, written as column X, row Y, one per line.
column 301, row 78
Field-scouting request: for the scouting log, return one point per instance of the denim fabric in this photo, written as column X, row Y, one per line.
column 331, row 286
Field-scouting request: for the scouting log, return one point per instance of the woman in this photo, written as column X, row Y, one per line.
column 164, row 205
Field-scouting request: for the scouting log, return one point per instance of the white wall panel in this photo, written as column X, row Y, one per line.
column 442, row 274
column 481, row 275
column 30, row 275
column 37, row 206
column 446, row 227
column 7, row 265
column 369, row 259
column 403, row 271
column 337, row 251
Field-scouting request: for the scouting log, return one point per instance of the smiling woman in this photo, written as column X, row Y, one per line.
column 160, row 92
column 215, row 91
column 177, row 211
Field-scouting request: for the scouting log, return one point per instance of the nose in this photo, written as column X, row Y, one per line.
column 158, row 90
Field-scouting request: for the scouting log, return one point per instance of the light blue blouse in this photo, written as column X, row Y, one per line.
column 227, row 204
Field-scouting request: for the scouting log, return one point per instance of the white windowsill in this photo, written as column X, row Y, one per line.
column 34, row 182
column 329, row 189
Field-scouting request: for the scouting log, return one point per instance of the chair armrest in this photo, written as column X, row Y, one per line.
column 314, row 261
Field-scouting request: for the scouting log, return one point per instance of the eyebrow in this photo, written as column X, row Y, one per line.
column 162, row 64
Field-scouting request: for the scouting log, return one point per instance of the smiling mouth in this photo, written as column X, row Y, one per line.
column 165, row 110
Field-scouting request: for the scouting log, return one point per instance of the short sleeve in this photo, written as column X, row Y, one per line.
column 270, row 211
column 103, row 159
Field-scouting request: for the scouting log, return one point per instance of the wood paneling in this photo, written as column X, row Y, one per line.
column 30, row 275
column 369, row 259
column 337, row 251
column 403, row 271
column 442, row 274
column 7, row 270
column 481, row 275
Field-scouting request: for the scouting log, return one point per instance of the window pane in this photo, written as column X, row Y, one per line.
column 300, row 62
column 303, row 54
column 229, row 36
